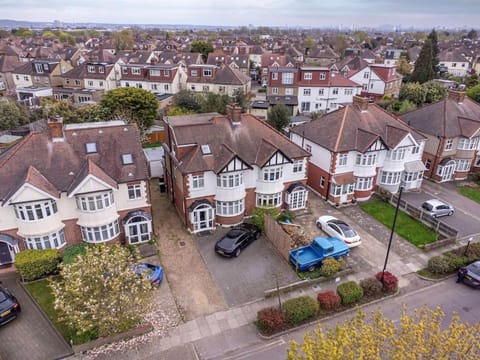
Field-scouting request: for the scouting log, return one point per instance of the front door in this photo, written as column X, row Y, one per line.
column 202, row 218
column 448, row 171
column 5, row 254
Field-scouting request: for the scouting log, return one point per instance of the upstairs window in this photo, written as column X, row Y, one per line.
column 101, row 70
column 272, row 173
column 136, row 71
column 207, row 72
column 39, row 68
column 91, row 68
column 449, row 144
column 342, row 159
column 134, row 191
column 307, row 76
column 94, row 202
column 274, row 76
column 298, row 166
column 194, row 73
column 322, row 76
column 35, row 211
column 287, row 78
column 198, row 181
column 230, row 180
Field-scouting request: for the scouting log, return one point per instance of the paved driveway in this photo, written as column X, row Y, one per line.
column 245, row 278
column 30, row 336
column 466, row 218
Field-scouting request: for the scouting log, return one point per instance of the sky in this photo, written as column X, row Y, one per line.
column 291, row 13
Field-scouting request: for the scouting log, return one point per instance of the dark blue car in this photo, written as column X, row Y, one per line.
column 9, row 306
column 154, row 273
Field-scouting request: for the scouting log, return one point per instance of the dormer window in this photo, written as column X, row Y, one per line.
column 136, row 71
column 127, row 159
column 91, row 147
column 39, row 68
column 194, row 73
column 91, row 68
column 124, row 70
column 207, row 72
column 101, row 69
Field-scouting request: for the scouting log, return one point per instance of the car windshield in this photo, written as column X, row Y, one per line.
column 474, row 268
column 347, row 230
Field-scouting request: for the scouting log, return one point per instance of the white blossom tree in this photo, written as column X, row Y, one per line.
column 100, row 291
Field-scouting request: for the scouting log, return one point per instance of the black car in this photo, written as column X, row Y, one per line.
column 237, row 239
column 470, row 274
column 9, row 306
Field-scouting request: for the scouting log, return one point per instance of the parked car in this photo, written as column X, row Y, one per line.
column 237, row 239
column 436, row 208
column 310, row 256
column 9, row 306
column 153, row 273
column 339, row 229
column 470, row 274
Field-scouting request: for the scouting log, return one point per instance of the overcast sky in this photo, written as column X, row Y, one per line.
column 314, row 13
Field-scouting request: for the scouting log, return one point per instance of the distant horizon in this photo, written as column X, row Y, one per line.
column 270, row 13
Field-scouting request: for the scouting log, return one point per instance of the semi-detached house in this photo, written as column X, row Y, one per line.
column 219, row 168
column 73, row 183
column 359, row 148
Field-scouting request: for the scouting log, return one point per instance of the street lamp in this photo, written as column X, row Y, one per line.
column 391, row 233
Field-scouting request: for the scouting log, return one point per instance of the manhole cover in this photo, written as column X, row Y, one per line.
column 182, row 243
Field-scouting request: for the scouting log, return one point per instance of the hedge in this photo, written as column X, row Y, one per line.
column 371, row 287
column 34, row 264
column 72, row 251
column 300, row 309
column 350, row 292
column 330, row 267
column 390, row 281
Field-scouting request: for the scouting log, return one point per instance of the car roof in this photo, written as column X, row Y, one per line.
column 327, row 218
column 435, row 202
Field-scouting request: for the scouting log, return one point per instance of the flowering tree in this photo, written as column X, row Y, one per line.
column 421, row 336
column 101, row 292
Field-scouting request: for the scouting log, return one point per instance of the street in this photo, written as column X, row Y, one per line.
column 240, row 345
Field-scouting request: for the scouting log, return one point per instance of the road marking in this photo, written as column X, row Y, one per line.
column 255, row 350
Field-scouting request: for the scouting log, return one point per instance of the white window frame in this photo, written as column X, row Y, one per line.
column 91, row 69
column 344, row 189
column 415, row 149
column 274, row 76
column 342, row 159
column 207, row 72
column 198, row 181
column 230, row 180
column 467, row 143
column 297, row 166
column 322, row 181
column 364, row 183
column 143, row 229
column 136, row 71
column 462, row 165
column 307, row 92
column 100, row 234
column 297, row 199
column 449, row 144
column 307, row 76
column 272, row 173
column 390, row 177
column 397, row 154
column 193, row 73
column 55, row 240
column 308, row 147
column 134, row 191
column 154, row 72
column 368, row 159
column 230, row 208
column 287, row 78
column 35, row 211
column 269, row 200
column 275, row 90
column 322, row 76
column 95, row 202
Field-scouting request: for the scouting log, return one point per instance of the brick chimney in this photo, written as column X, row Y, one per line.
column 457, row 96
column 234, row 113
column 55, row 127
column 361, row 103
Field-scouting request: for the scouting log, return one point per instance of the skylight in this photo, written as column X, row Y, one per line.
column 127, row 159
column 91, row 147
column 206, row 149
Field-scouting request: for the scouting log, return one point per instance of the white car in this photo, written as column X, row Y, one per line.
column 339, row 229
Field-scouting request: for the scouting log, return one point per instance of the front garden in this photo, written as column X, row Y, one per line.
column 83, row 292
column 406, row 226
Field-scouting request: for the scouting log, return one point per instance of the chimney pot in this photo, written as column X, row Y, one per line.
column 234, row 113
column 55, row 127
column 457, row 96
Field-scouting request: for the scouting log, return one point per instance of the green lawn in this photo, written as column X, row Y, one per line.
column 469, row 192
column 41, row 292
column 407, row 227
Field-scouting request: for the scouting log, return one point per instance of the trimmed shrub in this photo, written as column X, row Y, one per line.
column 329, row 267
column 270, row 320
column 439, row 265
column 72, row 251
column 456, row 261
column 371, row 287
column 350, row 292
column 300, row 309
column 258, row 216
column 329, row 300
column 34, row 264
column 390, row 281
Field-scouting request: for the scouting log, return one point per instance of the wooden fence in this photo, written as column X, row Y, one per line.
column 448, row 234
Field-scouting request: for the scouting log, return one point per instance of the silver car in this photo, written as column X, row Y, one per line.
column 436, row 208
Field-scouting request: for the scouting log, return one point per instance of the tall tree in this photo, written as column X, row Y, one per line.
column 403, row 67
column 279, row 117
column 423, row 335
column 131, row 104
column 122, row 40
column 11, row 115
column 435, row 50
column 423, row 70
column 100, row 292
column 472, row 34
column 202, row 47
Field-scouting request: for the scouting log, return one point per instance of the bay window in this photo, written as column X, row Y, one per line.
column 364, row 183
column 467, row 143
column 272, row 173
column 366, row 159
column 269, row 200
column 98, row 234
column 229, row 180
column 35, row 211
column 55, row 240
column 390, row 177
column 95, row 202
column 230, row 208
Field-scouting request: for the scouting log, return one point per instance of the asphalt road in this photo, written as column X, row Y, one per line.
column 240, row 345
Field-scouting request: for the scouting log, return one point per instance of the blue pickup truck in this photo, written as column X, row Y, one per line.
column 310, row 256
